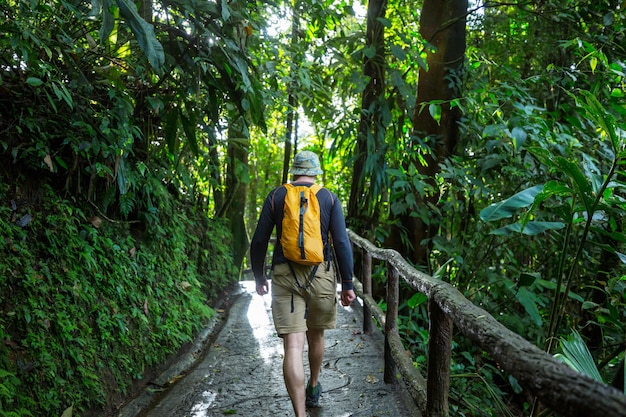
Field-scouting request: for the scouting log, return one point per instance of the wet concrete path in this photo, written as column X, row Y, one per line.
column 240, row 372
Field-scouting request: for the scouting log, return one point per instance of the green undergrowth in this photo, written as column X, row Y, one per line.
column 88, row 305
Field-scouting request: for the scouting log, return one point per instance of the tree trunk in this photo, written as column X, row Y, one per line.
column 292, row 99
column 442, row 24
column 236, row 190
column 214, row 161
column 359, row 212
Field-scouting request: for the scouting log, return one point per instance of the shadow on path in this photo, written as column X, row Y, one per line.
column 240, row 372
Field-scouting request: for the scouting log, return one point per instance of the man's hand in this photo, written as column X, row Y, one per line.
column 263, row 288
column 347, row 297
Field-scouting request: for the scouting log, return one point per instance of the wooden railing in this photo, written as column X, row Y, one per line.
column 555, row 384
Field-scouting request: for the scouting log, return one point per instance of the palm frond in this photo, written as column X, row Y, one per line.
column 577, row 356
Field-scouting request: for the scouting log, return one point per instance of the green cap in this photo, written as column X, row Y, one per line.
column 306, row 163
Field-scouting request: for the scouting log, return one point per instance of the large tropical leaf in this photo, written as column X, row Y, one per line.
column 144, row 32
column 189, row 127
column 581, row 183
column 552, row 189
column 529, row 301
column 602, row 118
column 171, row 131
column 529, row 229
column 505, row 209
column 108, row 21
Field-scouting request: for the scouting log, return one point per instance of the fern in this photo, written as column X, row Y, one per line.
column 127, row 203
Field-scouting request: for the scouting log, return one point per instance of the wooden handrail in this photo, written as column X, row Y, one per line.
column 555, row 384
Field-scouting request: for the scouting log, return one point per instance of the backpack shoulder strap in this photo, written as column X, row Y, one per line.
column 316, row 188
column 287, row 185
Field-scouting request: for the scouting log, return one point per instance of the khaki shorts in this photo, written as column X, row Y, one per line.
column 289, row 299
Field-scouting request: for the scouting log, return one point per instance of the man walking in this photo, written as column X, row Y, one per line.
column 304, row 299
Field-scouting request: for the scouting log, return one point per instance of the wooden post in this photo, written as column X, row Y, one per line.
column 367, row 289
column 391, row 321
column 439, row 351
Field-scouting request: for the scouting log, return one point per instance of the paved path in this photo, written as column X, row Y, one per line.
column 240, row 373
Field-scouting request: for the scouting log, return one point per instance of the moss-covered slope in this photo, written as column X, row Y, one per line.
column 88, row 304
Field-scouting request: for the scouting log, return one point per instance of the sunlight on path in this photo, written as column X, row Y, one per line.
column 259, row 316
column 200, row 409
column 241, row 373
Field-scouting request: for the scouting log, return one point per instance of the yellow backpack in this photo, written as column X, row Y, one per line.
column 301, row 237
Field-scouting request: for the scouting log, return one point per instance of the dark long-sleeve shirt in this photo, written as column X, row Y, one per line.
column 333, row 224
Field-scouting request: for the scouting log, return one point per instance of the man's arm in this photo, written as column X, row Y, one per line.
column 343, row 252
column 259, row 243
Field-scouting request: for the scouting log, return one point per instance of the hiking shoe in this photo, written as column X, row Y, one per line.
column 313, row 395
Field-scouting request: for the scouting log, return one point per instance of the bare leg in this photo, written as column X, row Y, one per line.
column 293, row 370
column 315, row 340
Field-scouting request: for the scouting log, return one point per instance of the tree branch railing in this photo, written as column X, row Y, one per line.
column 555, row 384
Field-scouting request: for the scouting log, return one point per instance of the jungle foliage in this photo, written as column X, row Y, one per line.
column 108, row 258
column 90, row 305
column 156, row 117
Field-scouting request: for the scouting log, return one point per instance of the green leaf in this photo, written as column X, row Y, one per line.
column 61, row 162
column 588, row 305
column 417, row 299
column 543, row 155
column 602, row 118
column 34, row 81
column 52, row 102
column 108, row 22
column 517, row 388
column 122, row 176
column 96, row 8
column 189, row 127
column 442, row 269
column 359, row 81
column 126, row 206
column 593, row 63
column 225, row 11
column 492, row 131
column 519, row 137
column 398, row 52
column 304, row 77
column 529, row 229
column 370, row 51
column 529, row 301
column 577, row 356
column 581, row 182
column 171, row 131
column 63, row 94
column 144, row 32
column 508, row 207
column 435, row 111
column 552, row 188
column 242, row 67
column 383, row 21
